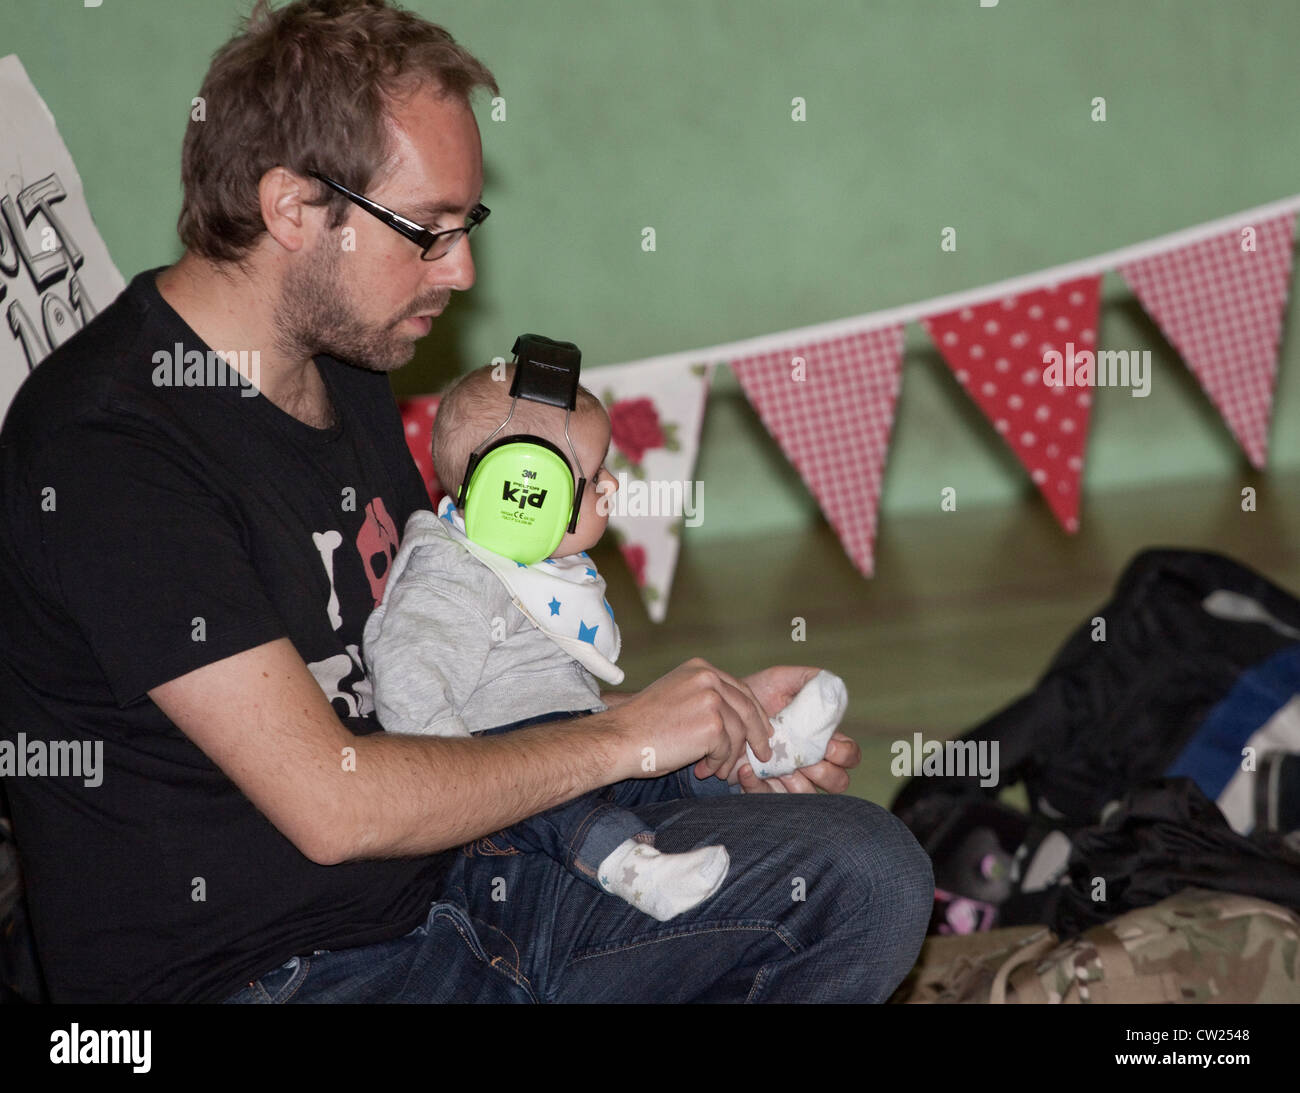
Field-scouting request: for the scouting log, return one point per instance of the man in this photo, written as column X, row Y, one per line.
column 187, row 559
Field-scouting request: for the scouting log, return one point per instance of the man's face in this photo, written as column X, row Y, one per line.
column 366, row 296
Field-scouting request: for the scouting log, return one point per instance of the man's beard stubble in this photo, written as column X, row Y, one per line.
column 315, row 315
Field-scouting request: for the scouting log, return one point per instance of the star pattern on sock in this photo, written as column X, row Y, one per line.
column 801, row 731
column 554, row 605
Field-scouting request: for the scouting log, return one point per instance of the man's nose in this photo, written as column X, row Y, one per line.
column 455, row 269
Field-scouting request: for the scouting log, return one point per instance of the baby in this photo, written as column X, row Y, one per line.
column 469, row 641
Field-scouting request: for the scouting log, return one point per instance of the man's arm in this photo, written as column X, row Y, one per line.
column 262, row 718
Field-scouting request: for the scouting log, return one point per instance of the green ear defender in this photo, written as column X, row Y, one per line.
column 520, row 498
column 519, row 495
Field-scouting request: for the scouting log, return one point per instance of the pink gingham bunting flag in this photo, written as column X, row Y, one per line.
column 1220, row 303
column 830, row 406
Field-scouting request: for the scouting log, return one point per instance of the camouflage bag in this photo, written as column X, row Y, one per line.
column 1194, row 947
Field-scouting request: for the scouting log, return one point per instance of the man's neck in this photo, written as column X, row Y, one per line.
column 233, row 310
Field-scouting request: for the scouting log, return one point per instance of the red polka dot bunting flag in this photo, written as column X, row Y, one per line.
column 1000, row 353
column 830, row 405
column 1220, row 303
column 417, row 420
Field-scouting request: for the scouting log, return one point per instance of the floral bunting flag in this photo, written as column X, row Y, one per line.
column 656, row 410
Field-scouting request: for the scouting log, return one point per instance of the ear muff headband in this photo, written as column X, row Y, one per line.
column 519, row 497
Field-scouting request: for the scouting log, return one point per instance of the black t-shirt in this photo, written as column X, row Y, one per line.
column 147, row 530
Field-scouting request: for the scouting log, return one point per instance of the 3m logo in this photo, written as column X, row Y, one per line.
column 521, row 496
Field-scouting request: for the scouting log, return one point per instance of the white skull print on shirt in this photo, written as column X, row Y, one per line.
column 342, row 677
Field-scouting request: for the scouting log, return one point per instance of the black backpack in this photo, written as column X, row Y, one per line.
column 1119, row 703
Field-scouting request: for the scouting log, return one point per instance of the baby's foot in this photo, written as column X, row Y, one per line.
column 663, row 885
column 801, row 731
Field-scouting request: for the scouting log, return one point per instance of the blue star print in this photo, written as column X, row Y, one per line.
column 554, row 605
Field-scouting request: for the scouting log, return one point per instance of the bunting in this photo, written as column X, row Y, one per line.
column 830, row 406
column 656, row 412
column 1027, row 351
column 1220, row 302
column 998, row 352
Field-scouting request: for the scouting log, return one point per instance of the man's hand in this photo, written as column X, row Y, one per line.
column 831, row 774
column 696, row 709
column 775, row 688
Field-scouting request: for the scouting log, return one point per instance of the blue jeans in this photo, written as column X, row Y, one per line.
column 827, row 900
column 582, row 833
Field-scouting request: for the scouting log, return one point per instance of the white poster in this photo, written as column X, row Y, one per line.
column 55, row 272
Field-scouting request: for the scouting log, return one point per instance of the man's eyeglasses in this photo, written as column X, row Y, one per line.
column 434, row 245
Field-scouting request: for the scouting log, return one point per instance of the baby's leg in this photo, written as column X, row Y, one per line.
column 612, row 849
column 677, row 786
column 663, row 885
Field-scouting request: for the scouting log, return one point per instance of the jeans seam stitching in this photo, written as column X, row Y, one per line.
column 497, row 963
column 760, row 979
column 749, row 927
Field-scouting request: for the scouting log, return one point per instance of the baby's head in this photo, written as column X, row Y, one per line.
column 477, row 403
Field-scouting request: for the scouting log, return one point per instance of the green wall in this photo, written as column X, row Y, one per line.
column 677, row 114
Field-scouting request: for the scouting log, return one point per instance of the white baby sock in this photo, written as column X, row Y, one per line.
column 663, row 885
column 801, row 731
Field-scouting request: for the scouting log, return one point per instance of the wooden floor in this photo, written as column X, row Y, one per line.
column 964, row 611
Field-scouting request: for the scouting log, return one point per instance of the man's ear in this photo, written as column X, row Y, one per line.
column 282, row 197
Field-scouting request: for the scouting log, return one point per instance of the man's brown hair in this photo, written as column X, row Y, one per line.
column 306, row 87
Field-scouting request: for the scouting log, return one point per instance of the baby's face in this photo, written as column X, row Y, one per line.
column 590, row 434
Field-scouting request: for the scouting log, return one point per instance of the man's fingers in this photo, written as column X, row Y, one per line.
column 827, row 776
column 751, row 782
column 787, row 783
column 755, row 727
column 738, row 725
column 797, row 782
column 843, row 751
